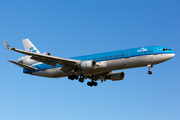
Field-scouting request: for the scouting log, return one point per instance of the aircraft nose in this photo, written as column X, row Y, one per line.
column 168, row 56
column 172, row 55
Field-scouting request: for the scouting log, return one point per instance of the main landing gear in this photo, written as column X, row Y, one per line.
column 149, row 69
column 81, row 79
column 72, row 77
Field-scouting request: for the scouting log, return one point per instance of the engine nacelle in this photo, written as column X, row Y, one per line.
column 116, row 76
column 46, row 53
column 88, row 65
column 26, row 60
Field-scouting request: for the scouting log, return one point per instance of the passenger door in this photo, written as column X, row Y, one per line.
column 156, row 51
column 127, row 59
column 156, row 57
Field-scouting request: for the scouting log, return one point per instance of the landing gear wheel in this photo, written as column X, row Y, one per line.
column 76, row 77
column 72, row 77
column 89, row 84
column 69, row 77
column 92, row 83
column 81, row 80
column 149, row 72
column 95, row 83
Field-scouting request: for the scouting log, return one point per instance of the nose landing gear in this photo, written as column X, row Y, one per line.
column 149, row 69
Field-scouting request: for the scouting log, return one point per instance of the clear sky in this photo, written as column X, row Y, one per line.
column 68, row 28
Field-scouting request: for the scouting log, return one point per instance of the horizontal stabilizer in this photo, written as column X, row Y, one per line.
column 23, row 65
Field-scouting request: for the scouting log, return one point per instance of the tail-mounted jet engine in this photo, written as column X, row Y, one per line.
column 46, row 53
column 26, row 60
column 115, row 76
column 87, row 65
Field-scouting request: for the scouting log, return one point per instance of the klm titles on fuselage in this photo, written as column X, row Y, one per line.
column 142, row 50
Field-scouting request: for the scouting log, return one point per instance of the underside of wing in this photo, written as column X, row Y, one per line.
column 23, row 65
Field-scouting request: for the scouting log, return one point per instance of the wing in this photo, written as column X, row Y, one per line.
column 50, row 60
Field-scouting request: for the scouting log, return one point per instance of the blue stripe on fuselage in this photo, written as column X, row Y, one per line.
column 109, row 56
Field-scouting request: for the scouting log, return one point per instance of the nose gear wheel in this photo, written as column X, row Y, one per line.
column 149, row 69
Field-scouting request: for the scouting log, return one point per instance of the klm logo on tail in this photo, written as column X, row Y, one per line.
column 31, row 49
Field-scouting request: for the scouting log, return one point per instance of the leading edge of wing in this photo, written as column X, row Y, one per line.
column 51, row 60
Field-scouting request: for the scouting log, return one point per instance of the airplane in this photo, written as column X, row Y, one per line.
column 94, row 67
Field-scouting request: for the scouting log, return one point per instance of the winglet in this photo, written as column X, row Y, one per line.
column 7, row 45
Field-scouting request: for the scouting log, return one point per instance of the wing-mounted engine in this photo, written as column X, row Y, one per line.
column 87, row 65
column 115, row 76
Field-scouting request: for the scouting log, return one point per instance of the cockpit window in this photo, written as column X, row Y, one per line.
column 165, row 49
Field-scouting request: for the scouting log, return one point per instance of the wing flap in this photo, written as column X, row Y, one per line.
column 42, row 59
column 23, row 65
